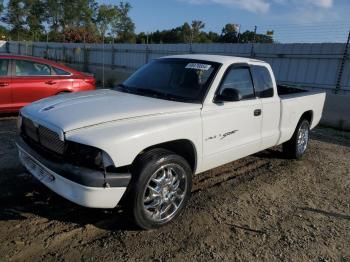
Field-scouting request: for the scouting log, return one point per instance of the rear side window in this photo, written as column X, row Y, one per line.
column 239, row 79
column 60, row 72
column 263, row 82
column 29, row 68
column 4, row 67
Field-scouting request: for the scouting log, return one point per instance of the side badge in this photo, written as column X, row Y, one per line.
column 221, row 136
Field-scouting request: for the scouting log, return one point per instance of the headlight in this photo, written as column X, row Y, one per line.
column 88, row 156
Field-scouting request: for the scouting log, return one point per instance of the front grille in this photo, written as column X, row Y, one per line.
column 43, row 136
column 50, row 140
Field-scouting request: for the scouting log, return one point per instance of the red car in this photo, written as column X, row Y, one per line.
column 24, row 79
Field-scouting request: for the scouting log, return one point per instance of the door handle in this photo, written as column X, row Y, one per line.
column 4, row 84
column 257, row 112
column 50, row 82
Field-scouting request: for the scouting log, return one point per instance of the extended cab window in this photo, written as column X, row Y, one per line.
column 178, row 79
column 239, row 78
column 29, row 68
column 3, row 67
column 263, row 82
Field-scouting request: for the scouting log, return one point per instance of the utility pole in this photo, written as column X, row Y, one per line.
column 239, row 33
column 254, row 37
column 254, row 40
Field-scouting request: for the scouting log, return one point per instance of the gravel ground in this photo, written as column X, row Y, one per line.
column 262, row 207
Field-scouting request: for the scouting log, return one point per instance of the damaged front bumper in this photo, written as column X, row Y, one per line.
column 83, row 186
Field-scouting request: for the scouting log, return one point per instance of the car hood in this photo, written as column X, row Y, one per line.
column 73, row 111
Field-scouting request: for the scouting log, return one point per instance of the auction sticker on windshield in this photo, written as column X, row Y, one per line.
column 198, row 66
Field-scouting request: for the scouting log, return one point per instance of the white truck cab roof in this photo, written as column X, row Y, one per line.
column 222, row 59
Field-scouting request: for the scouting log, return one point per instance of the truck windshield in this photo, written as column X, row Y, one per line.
column 183, row 80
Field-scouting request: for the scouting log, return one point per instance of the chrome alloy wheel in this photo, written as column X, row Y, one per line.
column 165, row 192
column 303, row 137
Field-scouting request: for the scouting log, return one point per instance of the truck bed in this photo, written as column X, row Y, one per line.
column 295, row 102
column 287, row 90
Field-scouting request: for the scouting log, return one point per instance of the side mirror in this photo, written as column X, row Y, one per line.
column 229, row 94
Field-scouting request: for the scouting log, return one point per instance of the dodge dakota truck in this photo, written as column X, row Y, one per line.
column 140, row 143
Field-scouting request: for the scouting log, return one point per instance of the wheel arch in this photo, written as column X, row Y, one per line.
column 182, row 147
column 308, row 115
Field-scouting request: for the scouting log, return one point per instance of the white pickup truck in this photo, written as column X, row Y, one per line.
column 174, row 117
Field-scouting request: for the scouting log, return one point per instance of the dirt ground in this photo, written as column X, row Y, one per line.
column 262, row 207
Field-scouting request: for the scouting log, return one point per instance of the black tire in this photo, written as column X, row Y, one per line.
column 145, row 168
column 294, row 148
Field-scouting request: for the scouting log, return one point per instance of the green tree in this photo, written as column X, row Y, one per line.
column 106, row 16
column 229, row 34
column 186, row 33
column 124, row 27
column 248, row 37
column 213, row 37
column 15, row 17
column 34, row 17
column 54, row 14
column 1, row 6
column 71, row 16
column 196, row 28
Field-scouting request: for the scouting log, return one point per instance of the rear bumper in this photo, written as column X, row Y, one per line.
column 84, row 195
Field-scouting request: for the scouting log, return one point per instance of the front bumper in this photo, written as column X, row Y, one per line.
column 80, row 185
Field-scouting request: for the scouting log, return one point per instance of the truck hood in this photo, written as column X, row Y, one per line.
column 83, row 109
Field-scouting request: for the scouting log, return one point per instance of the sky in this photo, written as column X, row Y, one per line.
column 291, row 20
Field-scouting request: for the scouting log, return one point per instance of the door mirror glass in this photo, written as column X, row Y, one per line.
column 229, row 94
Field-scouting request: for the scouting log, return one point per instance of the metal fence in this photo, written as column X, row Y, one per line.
column 321, row 66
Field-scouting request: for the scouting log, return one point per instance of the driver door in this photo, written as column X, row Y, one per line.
column 232, row 129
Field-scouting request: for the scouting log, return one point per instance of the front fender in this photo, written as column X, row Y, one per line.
column 123, row 140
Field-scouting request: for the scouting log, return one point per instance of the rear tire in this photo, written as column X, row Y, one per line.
column 296, row 147
column 160, row 188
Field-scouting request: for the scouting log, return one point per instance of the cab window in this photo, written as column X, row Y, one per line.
column 239, row 78
column 262, row 82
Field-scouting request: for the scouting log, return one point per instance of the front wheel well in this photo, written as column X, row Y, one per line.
column 181, row 147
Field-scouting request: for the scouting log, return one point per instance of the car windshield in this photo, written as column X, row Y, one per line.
column 183, row 80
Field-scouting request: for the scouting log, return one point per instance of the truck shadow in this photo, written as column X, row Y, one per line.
column 22, row 197
column 271, row 153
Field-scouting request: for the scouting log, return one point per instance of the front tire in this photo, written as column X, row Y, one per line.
column 296, row 147
column 160, row 188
